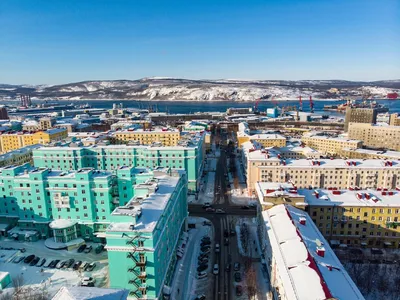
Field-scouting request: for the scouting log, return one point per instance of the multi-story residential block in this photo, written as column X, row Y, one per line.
column 329, row 145
column 376, row 136
column 13, row 141
column 322, row 173
column 300, row 262
column 394, row 120
column 30, row 125
column 18, row 157
column 144, row 234
column 361, row 115
column 46, row 123
column 370, row 154
column 165, row 136
column 3, row 113
column 264, row 139
column 188, row 155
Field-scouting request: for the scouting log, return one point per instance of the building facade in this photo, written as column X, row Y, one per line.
column 144, row 234
column 376, row 136
column 394, row 120
column 189, row 155
column 329, row 145
column 18, row 157
column 165, row 136
column 359, row 115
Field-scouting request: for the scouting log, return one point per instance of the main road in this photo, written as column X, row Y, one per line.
column 229, row 254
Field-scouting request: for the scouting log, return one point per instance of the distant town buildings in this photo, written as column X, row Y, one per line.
column 265, row 139
column 329, row 145
column 359, row 115
column 394, row 120
column 165, row 136
column 19, row 156
column 3, row 113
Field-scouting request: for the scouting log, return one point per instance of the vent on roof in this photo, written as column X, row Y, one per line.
column 321, row 251
column 302, row 221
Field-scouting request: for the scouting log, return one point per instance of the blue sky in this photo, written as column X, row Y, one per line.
column 51, row 42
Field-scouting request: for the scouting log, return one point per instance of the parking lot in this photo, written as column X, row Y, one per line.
column 32, row 262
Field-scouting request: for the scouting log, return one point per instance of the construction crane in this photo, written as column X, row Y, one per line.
column 300, row 103
column 256, row 105
column 311, row 105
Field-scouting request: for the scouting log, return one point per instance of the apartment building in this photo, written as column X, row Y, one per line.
column 370, row 154
column 16, row 140
column 361, row 115
column 376, row 136
column 165, row 136
column 322, row 173
column 366, row 218
column 144, row 234
column 265, row 139
column 329, row 145
column 394, row 119
column 188, row 155
column 46, row 123
column 300, row 262
column 19, row 156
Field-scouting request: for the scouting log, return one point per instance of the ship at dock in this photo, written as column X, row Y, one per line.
column 355, row 104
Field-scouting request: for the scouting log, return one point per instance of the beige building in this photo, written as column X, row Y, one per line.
column 165, row 136
column 394, row 120
column 329, row 145
column 376, row 136
column 46, row 123
column 359, row 115
column 322, row 173
column 264, row 139
column 369, row 154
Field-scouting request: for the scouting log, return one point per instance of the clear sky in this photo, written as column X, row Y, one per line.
column 51, row 42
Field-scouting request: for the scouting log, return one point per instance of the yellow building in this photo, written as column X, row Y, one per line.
column 367, row 218
column 265, row 139
column 13, row 141
column 394, row 120
column 376, row 136
column 329, row 145
column 369, row 154
column 322, row 173
column 167, row 137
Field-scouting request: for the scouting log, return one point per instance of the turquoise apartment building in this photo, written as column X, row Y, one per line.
column 188, row 155
column 144, row 234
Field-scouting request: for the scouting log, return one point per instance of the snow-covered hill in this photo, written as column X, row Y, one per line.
column 164, row 88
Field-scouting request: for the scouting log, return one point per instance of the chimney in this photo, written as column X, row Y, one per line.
column 302, row 221
column 321, row 251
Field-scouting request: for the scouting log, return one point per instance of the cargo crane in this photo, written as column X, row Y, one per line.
column 300, row 104
column 256, row 105
column 311, row 105
column 25, row 100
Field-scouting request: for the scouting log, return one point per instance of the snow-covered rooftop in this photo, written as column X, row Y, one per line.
column 383, row 153
column 368, row 197
column 305, row 275
column 90, row 293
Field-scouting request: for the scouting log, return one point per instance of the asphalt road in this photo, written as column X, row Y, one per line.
column 224, row 281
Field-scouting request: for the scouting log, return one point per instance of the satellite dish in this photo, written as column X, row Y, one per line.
column 318, row 242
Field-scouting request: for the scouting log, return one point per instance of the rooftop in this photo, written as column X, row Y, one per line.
column 305, row 274
column 375, row 152
column 90, row 293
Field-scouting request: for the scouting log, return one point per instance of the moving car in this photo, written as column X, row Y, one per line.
column 226, row 241
column 245, row 207
column 226, row 233
column 228, row 268
column 217, row 248
column 210, row 209
column 232, row 232
column 219, row 211
column 216, row 269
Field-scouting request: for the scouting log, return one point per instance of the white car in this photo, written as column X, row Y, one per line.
column 216, row 269
column 219, row 211
column 217, row 248
column 201, row 275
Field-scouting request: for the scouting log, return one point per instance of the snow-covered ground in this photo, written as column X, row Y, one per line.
column 50, row 279
column 185, row 285
column 253, row 245
column 206, row 193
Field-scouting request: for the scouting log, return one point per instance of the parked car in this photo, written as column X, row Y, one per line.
column 201, row 275
column 69, row 263
column 206, row 242
column 207, row 223
column 81, row 248
column 216, row 269
column 217, row 248
column 18, row 259
column 54, row 263
column 87, row 281
column 88, row 249
column 205, row 248
column 29, row 258
column 219, row 211
column 205, row 238
column 84, row 265
column 41, row 263
column 238, row 277
column 77, row 264
column 34, row 261
column 207, row 204
column 226, row 233
column 90, row 267
column 60, row 264
column 226, row 241
column 99, row 249
column 232, row 232
column 236, row 266
column 210, row 209
column 239, row 290
column 206, row 252
column 202, row 268
column 200, row 297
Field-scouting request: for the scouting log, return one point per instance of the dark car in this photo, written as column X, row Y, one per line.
column 233, row 232
column 29, row 258
column 205, row 238
column 99, row 249
column 90, row 267
column 77, row 264
column 61, row 264
column 81, row 248
column 238, row 277
column 239, row 290
column 228, row 268
column 69, row 263
column 41, row 263
column 200, row 297
column 236, row 266
column 205, row 243
column 226, row 233
column 18, row 259
column 203, row 261
column 245, row 207
column 53, row 263
column 205, row 248
column 226, row 241
column 88, row 249
column 34, row 261
column 202, row 268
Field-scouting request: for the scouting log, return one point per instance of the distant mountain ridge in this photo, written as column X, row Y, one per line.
column 164, row 88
